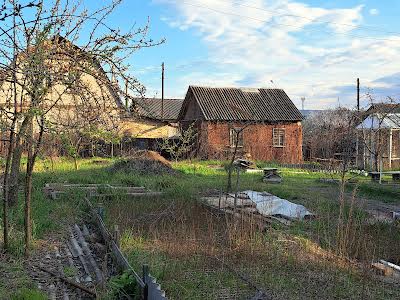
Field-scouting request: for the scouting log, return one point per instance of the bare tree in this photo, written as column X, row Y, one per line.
column 182, row 145
column 327, row 134
column 46, row 73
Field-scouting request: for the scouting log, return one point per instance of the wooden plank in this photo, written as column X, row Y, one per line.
column 74, row 284
column 144, row 194
column 224, row 202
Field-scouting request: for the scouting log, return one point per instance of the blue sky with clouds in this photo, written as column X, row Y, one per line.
column 310, row 48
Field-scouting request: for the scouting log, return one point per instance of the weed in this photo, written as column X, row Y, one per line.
column 69, row 271
column 124, row 287
column 29, row 294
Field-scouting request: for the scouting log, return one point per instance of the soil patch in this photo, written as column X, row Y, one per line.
column 144, row 163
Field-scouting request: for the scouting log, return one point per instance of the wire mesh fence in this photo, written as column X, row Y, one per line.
column 213, row 279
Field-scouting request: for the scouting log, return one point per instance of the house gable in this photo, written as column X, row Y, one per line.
column 191, row 109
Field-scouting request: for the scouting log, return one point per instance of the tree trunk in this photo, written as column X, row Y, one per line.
column 28, row 198
column 16, row 162
column 6, row 184
column 52, row 163
column 75, row 163
column 229, row 187
column 28, row 190
column 92, row 148
column 13, row 183
column 32, row 154
column 237, row 186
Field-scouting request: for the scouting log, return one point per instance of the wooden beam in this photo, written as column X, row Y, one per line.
column 74, row 284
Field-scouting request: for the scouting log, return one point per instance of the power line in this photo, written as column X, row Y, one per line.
column 374, row 28
column 285, row 25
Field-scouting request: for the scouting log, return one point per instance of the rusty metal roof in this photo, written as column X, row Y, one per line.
column 151, row 108
column 388, row 108
column 243, row 104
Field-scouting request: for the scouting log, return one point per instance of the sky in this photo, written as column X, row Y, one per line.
column 310, row 48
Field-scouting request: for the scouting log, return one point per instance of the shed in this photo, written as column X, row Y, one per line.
column 379, row 137
column 264, row 123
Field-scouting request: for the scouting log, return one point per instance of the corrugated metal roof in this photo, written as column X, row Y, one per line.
column 388, row 108
column 235, row 104
column 151, row 108
column 376, row 121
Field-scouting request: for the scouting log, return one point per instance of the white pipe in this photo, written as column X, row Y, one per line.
column 389, row 264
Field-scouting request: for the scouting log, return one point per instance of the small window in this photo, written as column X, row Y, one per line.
column 234, row 134
column 278, row 137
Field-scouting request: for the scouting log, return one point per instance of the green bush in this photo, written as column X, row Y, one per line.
column 124, row 285
column 29, row 294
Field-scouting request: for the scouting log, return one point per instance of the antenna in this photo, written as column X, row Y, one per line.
column 303, row 99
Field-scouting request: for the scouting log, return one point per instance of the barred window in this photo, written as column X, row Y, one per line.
column 236, row 133
column 278, row 137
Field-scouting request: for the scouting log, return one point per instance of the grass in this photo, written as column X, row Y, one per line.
column 179, row 238
column 15, row 283
column 386, row 194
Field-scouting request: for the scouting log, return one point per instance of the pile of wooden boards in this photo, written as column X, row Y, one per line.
column 245, row 208
column 54, row 190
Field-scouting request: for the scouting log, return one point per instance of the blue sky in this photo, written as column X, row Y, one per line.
column 310, row 48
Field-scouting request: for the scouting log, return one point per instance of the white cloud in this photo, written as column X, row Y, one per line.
column 373, row 12
column 308, row 51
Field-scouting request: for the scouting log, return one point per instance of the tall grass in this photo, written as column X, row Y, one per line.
column 178, row 237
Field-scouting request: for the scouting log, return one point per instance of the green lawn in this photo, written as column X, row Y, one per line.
column 179, row 238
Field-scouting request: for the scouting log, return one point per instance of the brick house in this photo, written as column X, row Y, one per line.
column 268, row 122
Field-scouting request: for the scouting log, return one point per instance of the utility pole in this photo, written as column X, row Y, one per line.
column 358, row 110
column 126, row 95
column 162, row 91
column 358, row 94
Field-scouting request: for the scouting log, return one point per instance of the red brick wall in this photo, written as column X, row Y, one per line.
column 257, row 141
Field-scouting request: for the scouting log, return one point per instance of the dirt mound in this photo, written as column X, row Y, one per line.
column 144, row 162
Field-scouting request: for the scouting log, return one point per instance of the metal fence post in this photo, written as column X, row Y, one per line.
column 100, row 210
column 117, row 235
column 146, row 287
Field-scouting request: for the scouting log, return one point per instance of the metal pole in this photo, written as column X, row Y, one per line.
column 162, row 92
column 146, row 287
column 390, row 147
column 358, row 94
column 381, row 169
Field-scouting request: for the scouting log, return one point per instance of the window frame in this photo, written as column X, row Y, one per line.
column 232, row 137
column 278, row 137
